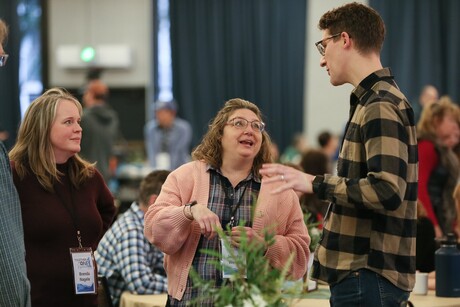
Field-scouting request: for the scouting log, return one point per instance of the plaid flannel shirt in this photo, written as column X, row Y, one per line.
column 371, row 221
column 128, row 260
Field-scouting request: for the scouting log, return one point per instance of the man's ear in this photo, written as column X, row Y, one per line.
column 346, row 40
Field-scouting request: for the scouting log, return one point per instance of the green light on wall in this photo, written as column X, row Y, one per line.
column 87, row 54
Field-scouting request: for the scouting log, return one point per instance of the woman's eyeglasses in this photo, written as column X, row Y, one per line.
column 241, row 123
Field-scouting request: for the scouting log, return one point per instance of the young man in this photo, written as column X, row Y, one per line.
column 14, row 285
column 124, row 256
column 367, row 253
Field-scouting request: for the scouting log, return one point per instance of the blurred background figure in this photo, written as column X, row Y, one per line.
column 275, row 152
column 14, row 286
column 428, row 95
column 426, row 244
column 3, row 134
column 438, row 133
column 100, row 126
column 329, row 144
column 293, row 153
column 124, row 256
column 64, row 199
column 167, row 137
column 315, row 162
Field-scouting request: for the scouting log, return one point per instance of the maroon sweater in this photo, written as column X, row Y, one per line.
column 49, row 232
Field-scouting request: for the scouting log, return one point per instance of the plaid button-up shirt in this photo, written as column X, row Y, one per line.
column 222, row 198
column 371, row 222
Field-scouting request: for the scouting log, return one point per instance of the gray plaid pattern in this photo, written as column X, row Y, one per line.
column 14, row 286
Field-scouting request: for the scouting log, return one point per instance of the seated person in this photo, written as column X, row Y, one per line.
column 124, row 256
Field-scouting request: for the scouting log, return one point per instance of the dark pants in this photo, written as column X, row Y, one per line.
column 366, row 288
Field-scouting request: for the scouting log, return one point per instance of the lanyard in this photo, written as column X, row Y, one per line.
column 71, row 209
column 233, row 208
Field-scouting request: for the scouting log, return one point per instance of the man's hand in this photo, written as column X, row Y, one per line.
column 293, row 179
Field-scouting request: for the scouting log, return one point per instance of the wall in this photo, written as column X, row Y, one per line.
column 129, row 22
column 87, row 22
column 326, row 106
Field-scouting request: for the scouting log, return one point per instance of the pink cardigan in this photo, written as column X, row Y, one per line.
column 167, row 227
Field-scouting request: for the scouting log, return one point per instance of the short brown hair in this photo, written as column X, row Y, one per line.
column 151, row 185
column 362, row 23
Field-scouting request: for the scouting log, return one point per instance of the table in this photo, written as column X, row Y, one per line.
column 317, row 298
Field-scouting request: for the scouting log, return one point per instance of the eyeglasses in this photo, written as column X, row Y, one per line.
column 3, row 58
column 320, row 44
column 241, row 123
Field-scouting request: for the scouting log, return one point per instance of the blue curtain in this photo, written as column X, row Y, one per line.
column 422, row 44
column 251, row 49
column 9, row 75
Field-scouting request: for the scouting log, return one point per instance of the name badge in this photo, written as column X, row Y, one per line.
column 84, row 270
column 229, row 266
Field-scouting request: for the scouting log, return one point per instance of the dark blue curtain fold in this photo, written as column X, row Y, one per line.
column 9, row 75
column 251, row 49
column 422, row 44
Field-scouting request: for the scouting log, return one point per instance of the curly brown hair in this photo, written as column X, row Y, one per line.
column 210, row 148
column 362, row 23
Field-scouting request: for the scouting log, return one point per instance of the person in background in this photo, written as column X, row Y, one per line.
column 428, row 96
column 167, row 137
column 329, row 145
column 293, row 153
column 218, row 190
column 439, row 132
column 64, row 199
column 367, row 250
column 124, row 256
column 315, row 162
column 14, row 285
column 101, row 127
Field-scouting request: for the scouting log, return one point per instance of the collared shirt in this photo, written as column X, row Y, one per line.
column 128, row 260
column 222, row 198
column 371, row 221
column 14, row 285
column 179, row 137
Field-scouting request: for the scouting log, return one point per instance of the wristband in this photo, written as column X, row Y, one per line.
column 318, row 188
column 190, row 205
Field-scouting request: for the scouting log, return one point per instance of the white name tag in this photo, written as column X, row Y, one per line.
column 229, row 266
column 84, row 270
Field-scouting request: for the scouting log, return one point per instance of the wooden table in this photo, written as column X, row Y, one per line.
column 318, row 299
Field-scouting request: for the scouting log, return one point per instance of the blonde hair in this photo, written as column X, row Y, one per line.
column 3, row 31
column 34, row 149
column 210, row 148
column 433, row 115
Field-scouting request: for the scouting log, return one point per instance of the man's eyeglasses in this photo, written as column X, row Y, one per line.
column 241, row 123
column 320, row 45
column 3, row 58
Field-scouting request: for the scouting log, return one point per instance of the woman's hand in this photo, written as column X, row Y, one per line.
column 208, row 220
column 253, row 237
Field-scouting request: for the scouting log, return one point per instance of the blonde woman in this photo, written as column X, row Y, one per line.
column 438, row 133
column 65, row 202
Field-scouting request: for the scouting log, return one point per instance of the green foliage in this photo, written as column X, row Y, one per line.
column 313, row 230
column 261, row 287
